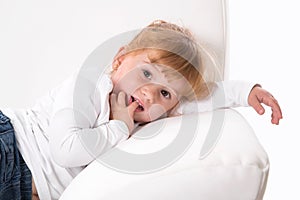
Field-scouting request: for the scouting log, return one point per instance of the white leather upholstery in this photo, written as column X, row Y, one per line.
column 235, row 167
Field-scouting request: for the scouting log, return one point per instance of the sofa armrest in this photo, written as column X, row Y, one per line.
column 230, row 165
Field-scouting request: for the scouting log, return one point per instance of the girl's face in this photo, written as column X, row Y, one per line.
column 145, row 83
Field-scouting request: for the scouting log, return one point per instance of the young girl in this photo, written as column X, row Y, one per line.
column 152, row 77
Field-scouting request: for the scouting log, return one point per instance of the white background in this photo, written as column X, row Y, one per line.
column 264, row 48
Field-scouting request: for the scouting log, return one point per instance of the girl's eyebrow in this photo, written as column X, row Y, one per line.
column 153, row 66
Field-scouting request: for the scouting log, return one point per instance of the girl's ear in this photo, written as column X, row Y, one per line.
column 118, row 58
column 121, row 52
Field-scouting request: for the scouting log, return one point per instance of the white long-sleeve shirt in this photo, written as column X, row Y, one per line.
column 69, row 127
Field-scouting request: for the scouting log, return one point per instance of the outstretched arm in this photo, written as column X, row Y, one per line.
column 233, row 94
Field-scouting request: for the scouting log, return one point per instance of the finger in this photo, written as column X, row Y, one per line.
column 274, row 120
column 276, row 110
column 258, row 107
column 276, row 115
column 132, row 107
column 122, row 98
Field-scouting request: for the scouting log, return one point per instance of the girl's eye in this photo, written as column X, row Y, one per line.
column 166, row 94
column 147, row 74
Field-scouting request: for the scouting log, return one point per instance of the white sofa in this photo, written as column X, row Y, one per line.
column 230, row 164
column 218, row 154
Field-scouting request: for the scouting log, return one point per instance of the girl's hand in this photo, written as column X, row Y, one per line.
column 258, row 96
column 119, row 110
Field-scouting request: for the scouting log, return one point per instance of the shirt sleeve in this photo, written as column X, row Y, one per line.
column 224, row 95
column 77, row 135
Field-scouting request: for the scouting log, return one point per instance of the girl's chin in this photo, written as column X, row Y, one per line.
column 142, row 120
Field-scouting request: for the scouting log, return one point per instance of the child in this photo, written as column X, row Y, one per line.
column 158, row 71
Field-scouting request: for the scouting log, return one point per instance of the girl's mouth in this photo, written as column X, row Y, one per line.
column 140, row 107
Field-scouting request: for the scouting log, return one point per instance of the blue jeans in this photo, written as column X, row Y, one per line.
column 15, row 177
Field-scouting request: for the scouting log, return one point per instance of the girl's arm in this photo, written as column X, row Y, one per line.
column 233, row 94
column 79, row 128
column 225, row 94
column 74, row 142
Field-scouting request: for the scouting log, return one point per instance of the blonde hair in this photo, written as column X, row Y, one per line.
column 176, row 48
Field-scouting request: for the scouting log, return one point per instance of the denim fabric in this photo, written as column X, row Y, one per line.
column 15, row 177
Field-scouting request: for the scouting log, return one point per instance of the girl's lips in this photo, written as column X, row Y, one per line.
column 140, row 107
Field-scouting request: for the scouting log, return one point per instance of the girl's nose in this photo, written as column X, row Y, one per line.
column 149, row 92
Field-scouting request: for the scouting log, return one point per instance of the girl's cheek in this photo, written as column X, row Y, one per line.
column 156, row 111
